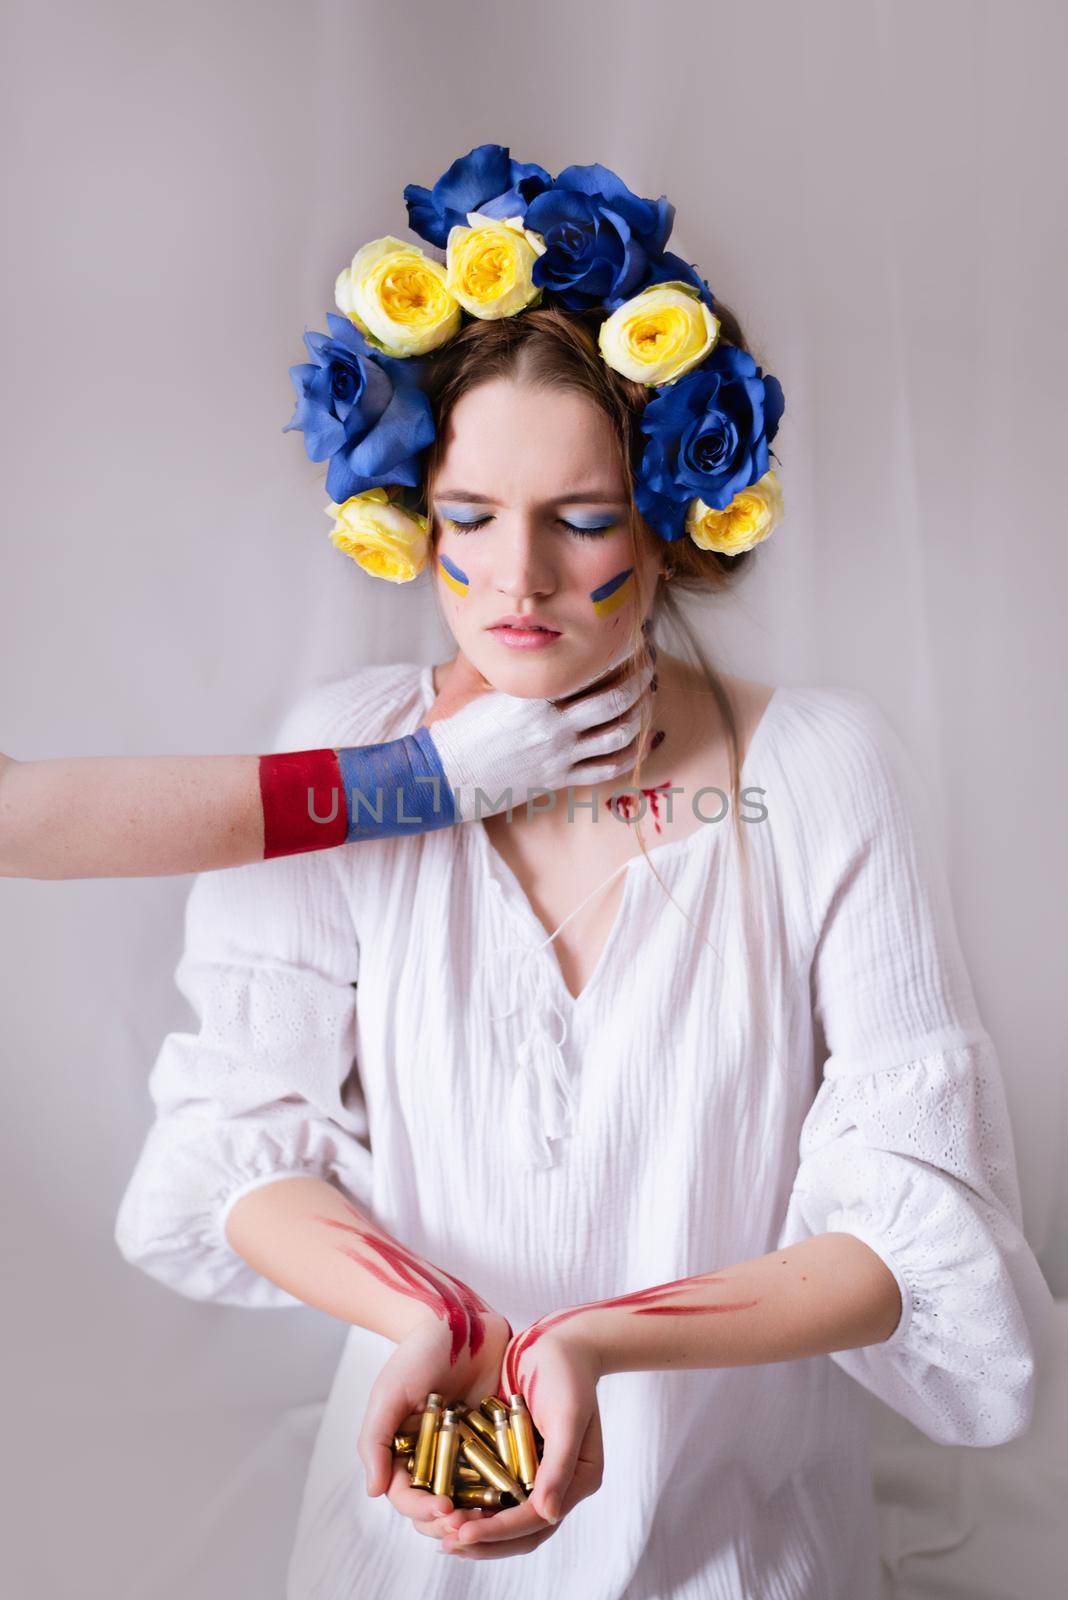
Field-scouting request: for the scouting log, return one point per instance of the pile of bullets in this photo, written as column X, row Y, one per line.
column 483, row 1455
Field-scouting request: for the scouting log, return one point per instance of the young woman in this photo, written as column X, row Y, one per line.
column 644, row 1106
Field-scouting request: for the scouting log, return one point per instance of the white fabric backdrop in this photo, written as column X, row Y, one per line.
column 877, row 190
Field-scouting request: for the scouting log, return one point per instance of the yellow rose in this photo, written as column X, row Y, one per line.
column 397, row 297
column 749, row 518
column 382, row 538
column 659, row 334
column 488, row 265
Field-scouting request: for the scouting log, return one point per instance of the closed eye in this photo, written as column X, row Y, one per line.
column 480, row 522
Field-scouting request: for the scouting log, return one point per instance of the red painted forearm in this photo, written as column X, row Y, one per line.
column 826, row 1293
column 302, row 1234
column 402, row 1270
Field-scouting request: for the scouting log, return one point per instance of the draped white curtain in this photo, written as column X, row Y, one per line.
column 875, row 188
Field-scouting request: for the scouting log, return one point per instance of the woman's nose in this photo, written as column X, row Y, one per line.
column 524, row 565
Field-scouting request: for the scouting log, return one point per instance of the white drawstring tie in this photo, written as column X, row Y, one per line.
column 542, row 1100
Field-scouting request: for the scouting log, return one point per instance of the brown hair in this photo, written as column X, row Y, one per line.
column 551, row 347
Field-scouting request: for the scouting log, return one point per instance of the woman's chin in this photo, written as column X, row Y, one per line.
column 544, row 674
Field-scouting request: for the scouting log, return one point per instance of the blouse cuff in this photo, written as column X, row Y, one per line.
column 844, row 1222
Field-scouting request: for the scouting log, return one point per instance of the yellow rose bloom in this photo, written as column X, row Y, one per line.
column 398, row 298
column 749, row 518
column 659, row 334
column 488, row 265
column 382, row 538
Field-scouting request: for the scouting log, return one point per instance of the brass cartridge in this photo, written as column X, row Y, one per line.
column 424, row 1447
column 474, row 1419
column 467, row 1474
column 522, row 1430
column 479, row 1455
column 403, row 1443
column 485, row 1495
column 497, row 1412
column 445, row 1451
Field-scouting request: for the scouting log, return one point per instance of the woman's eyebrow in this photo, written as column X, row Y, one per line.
column 572, row 497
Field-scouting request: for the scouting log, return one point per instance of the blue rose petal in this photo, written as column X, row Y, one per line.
column 485, row 180
column 670, row 268
column 666, row 517
column 707, row 438
column 603, row 243
column 366, row 411
column 651, row 220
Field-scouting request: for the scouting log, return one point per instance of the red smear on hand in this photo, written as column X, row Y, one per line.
column 453, row 1301
column 650, row 1302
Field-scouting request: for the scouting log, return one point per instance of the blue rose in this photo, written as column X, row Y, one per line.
column 602, row 242
column 485, row 180
column 708, row 436
column 363, row 409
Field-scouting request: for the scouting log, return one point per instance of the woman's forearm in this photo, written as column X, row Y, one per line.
column 128, row 816
column 830, row 1292
column 305, row 1236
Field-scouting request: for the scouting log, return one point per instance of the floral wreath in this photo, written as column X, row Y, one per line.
column 513, row 236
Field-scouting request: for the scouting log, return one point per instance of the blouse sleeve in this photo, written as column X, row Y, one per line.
column 265, row 1088
column 907, row 1144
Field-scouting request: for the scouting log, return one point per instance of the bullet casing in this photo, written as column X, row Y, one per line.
column 424, row 1449
column 497, row 1412
column 446, row 1449
column 486, row 1495
column 521, row 1427
column 477, row 1452
column 474, row 1419
column 506, row 1444
column 463, row 1472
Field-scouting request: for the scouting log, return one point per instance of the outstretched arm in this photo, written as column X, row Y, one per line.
column 830, row 1292
column 151, row 816
column 826, row 1293
column 128, row 816
column 305, row 1236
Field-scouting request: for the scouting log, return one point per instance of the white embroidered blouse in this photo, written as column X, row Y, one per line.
column 389, row 1016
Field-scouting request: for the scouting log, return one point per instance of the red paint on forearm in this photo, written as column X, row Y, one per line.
column 472, row 1305
column 640, row 1303
column 691, row 1311
column 288, row 826
column 453, row 1301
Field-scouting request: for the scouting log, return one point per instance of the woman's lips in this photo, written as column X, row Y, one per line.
column 525, row 638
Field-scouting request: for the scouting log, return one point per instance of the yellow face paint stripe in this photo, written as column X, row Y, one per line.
column 610, row 596
column 454, row 576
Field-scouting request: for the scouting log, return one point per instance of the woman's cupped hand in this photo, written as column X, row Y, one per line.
column 556, row 1373
column 426, row 1361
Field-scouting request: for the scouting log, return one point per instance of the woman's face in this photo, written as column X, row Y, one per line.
column 531, row 522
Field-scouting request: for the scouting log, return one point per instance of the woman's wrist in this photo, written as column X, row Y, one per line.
column 588, row 1332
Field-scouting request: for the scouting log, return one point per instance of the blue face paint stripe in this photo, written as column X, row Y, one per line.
column 611, row 586
column 454, row 571
column 390, row 789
